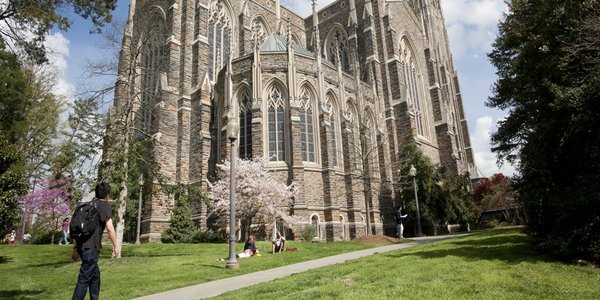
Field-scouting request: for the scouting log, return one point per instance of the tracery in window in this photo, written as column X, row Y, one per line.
column 372, row 150
column 219, row 36
column 275, row 109
column 307, row 125
column 412, row 82
column 259, row 32
column 337, row 49
column 153, row 60
column 355, row 146
column 333, row 118
column 245, row 125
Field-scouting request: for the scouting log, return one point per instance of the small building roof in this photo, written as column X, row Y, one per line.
column 275, row 42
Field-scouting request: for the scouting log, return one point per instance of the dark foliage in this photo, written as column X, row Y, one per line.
column 547, row 59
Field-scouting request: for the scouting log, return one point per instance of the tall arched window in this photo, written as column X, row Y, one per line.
column 337, row 49
column 245, row 125
column 333, row 118
column 219, row 37
column 307, row 125
column 372, row 150
column 355, row 146
column 275, row 108
column 412, row 82
column 153, row 61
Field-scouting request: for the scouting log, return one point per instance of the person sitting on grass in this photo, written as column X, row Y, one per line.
column 278, row 243
column 249, row 248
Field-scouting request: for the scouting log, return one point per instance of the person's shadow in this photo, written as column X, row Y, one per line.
column 19, row 294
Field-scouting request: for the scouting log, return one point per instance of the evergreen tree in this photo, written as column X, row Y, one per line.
column 181, row 228
column 547, row 59
column 411, row 155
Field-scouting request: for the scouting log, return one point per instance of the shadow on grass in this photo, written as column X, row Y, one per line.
column 155, row 254
column 511, row 248
column 20, row 294
column 4, row 259
column 58, row 264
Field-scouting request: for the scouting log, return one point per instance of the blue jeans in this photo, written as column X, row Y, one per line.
column 64, row 238
column 89, row 275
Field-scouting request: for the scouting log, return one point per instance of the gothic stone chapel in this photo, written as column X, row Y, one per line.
column 325, row 100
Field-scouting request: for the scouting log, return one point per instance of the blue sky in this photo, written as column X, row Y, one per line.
column 471, row 24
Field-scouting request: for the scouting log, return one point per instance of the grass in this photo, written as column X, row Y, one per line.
column 46, row 271
column 493, row 264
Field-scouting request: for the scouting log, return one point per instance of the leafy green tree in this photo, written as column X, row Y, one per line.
column 443, row 197
column 12, row 185
column 26, row 22
column 79, row 148
column 546, row 55
column 411, row 155
column 29, row 113
column 14, row 96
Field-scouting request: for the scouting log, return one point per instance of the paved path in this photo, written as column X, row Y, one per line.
column 218, row 287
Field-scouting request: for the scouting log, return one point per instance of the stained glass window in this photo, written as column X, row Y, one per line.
column 411, row 80
column 245, row 125
column 219, row 31
column 276, row 125
column 306, row 126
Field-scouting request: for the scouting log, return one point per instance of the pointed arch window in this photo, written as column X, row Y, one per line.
column 337, row 49
column 153, row 61
column 413, row 83
column 275, row 110
column 333, row 118
column 314, row 223
column 219, row 37
column 245, row 125
column 355, row 146
column 307, row 125
column 372, row 151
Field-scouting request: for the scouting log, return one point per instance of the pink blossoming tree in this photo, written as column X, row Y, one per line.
column 260, row 198
column 50, row 204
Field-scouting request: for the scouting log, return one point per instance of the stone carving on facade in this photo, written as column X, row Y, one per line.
column 218, row 15
column 258, row 33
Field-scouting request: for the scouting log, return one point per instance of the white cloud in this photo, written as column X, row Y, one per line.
column 472, row 24
column 57, row 46
column 485, row 160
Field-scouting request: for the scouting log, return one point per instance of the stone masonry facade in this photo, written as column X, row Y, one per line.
column 326, row 101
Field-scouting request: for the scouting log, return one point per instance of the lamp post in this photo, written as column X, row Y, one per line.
column 139, row 215
column 413, row 173
column 232, row 132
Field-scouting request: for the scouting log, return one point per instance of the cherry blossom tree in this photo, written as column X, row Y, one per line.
column 50, row 204
column 259, row 196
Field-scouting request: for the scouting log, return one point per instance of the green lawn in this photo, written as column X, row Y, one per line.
column 46, row 272
column 494, row 264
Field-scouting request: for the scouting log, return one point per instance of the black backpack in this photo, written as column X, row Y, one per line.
column 85, row 220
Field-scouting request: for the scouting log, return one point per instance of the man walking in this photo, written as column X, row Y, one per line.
column 88, row 248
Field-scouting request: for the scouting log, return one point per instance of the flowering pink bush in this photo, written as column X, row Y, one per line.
column 259, row 196
column 50, row 204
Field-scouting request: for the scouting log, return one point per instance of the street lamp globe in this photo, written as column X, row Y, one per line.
column 413, row 171
column 233, row 128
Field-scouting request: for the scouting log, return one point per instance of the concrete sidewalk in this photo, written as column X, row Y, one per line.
column 217, row 287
